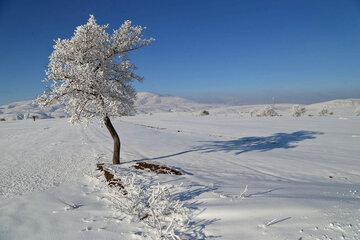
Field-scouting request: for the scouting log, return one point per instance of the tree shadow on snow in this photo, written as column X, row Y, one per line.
column 248, row 144
column 196, row 225
column 190, row 194
column 262, row 193
column 262, row 144
column 238, row 146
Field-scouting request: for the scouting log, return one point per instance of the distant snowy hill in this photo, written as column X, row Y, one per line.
column 26, row 109
column 338, row 106
column 148, row 102
column 341, row 103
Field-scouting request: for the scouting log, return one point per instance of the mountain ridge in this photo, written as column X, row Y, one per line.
column 148, row 102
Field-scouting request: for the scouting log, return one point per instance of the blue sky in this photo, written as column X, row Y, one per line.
column 211, row 51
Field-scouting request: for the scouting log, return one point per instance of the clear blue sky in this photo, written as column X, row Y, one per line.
column 243, row 51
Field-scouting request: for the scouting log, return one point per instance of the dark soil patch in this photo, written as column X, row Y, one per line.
column 156, row 168
column 110, row 178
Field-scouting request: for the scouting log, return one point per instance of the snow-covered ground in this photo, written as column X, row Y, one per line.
column 245, row 177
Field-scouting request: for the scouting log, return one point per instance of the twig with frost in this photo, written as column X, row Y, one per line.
column 264, row 226
column 242, row 195
column 70, row 205
column 271, row 222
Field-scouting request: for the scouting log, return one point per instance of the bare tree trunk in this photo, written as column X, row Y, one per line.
column 110, row 127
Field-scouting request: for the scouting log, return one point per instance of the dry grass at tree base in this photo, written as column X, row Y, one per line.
column 110, row 178
column 156, row 168
column 140, row 165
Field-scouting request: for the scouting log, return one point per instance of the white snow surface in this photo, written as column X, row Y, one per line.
column 245, row 177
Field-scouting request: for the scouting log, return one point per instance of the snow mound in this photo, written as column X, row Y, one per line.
column 26, row 109
column 340, row 103
column 148, row 102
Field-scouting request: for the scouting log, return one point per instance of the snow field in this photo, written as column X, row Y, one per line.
column 302, row 175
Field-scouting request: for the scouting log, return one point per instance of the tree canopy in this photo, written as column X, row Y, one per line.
column 91, row 72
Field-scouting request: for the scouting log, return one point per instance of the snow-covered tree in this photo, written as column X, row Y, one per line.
column 297, row 111
column 325, row 111
column 92, row 74
column 267, row 111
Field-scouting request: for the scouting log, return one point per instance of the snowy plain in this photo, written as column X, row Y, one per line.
column 244, row 177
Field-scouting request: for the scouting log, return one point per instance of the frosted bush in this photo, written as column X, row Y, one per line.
column 297, row 111
column 153, row 205
column 357, row 112
column 253, row 113
column 267, row 111
column 325, row 112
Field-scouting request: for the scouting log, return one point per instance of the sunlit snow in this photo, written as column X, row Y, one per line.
column 244, row 177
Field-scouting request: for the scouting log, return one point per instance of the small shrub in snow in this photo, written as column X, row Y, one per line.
column 325, row 112
column 154, row 205
column 253, row 113
column 267, row 111
column 204, row 113
column 297, row 111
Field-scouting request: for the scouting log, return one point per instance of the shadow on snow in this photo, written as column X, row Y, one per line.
column 248, row 144
column 238, row 146
column 262, row 144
